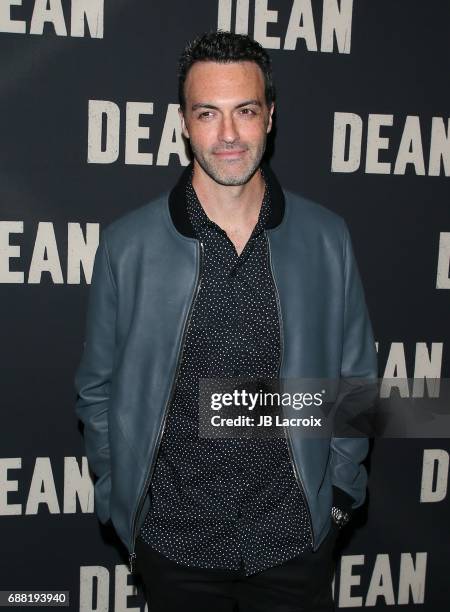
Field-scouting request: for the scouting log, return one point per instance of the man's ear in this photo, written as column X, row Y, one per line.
column 269, row 124
column 183, row 123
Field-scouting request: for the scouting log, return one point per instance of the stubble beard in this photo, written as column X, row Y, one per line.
column 213, row 168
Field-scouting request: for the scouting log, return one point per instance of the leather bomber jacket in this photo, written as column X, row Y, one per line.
column 146, row 275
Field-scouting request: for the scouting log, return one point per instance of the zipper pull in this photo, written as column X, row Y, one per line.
column 132, row 557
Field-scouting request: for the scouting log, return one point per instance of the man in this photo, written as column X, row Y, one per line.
column 227, row 276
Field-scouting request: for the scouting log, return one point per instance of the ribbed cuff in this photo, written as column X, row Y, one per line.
column 342, row 500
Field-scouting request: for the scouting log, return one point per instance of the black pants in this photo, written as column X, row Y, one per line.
column 302, row 584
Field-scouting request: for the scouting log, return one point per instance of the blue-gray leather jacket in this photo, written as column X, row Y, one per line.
column 146, row 276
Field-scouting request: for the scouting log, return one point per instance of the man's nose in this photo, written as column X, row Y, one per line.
column 228, row 132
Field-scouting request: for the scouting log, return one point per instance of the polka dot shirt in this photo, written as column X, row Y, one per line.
column 228, row 503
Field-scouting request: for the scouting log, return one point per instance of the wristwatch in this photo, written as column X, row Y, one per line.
column 340, row 517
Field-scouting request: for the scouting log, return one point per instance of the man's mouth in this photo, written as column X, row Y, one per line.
column 230, row 154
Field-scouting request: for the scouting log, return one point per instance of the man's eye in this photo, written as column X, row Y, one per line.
column 205, row 115
column 247, row 111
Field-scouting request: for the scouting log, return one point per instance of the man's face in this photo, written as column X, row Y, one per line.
column 226, row 119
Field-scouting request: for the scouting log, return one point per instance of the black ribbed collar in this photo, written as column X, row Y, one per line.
column 180, row 217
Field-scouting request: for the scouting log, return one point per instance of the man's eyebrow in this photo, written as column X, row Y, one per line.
column 203, row 105
column 211, row 106
column 249, row 103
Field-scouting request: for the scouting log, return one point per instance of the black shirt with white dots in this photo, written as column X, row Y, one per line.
column 228, row 503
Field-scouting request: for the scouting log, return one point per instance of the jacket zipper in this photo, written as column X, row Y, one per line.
column 132, row 555
column 286, row 430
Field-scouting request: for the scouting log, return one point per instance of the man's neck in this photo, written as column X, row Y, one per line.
column 234, row 208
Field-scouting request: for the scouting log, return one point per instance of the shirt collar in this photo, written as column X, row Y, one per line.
column 200, row 220
column 177, row 201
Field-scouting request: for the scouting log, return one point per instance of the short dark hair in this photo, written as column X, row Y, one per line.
column 219, row 46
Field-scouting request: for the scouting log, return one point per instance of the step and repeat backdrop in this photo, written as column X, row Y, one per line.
column 89, row 131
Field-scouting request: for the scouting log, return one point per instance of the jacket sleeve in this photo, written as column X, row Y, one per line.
column 360, row 369
column 94, row 374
